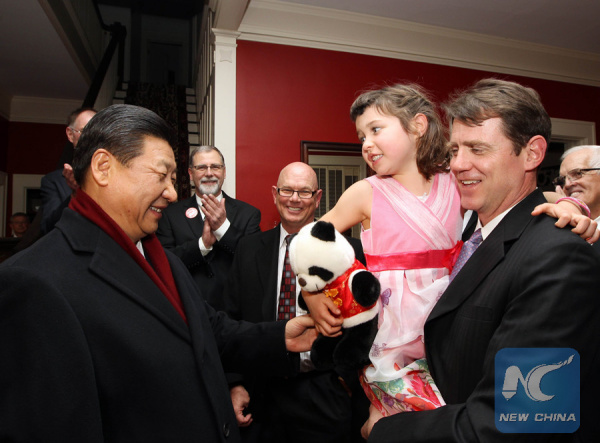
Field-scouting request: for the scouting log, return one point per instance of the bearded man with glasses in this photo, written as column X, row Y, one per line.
column 204, row 229
column 579, row 177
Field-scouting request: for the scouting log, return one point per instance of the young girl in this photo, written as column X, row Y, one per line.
column 411, row 225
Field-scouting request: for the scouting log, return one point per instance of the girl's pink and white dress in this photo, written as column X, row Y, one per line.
column 411, row 246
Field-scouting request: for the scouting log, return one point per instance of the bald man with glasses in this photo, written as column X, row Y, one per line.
column 204, row 229
column 316, row 406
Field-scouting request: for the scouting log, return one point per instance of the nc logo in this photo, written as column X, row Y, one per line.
column 531, row 383
column 551, row 404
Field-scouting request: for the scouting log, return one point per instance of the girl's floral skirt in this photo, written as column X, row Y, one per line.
column 413, row 390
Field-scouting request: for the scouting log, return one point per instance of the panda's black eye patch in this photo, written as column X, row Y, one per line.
column 323, row 273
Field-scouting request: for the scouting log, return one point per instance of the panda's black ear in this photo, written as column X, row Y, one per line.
column 323, row 231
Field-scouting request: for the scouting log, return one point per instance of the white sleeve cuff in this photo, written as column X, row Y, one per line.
column 203, row 249
column 219, row 233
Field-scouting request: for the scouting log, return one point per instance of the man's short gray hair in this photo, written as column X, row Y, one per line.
column 594, row 161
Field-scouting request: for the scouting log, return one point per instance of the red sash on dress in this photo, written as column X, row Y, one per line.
column 432, row 259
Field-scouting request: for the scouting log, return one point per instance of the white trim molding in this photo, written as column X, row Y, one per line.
column 228, row 15
column 292, row 24
column 225, row 105
column 579, row 132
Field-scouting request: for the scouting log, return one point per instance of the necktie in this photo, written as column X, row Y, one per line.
column 467, row 250
column 287, row 291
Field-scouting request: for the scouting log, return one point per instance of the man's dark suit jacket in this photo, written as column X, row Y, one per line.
column 56, row 196
column 180, row 234
column 528, row 285
column 315, row 406
column 92, row 351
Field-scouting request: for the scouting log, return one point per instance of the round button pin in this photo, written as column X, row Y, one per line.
column 191, row 213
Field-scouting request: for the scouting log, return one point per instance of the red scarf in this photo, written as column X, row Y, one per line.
column 161, row 272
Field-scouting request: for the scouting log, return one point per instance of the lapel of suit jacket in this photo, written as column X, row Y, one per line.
column 267, row 259
column 196, row 224
column 230, row 207
column 189, row 294
column 487, row 256
column 112, row 264
column 470, row 227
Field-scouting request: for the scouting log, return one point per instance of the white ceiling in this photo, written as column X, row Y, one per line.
column 33, row 60
column 35, row 63
column 571, row 24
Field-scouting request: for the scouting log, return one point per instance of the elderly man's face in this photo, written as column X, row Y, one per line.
column 19, row 225
column 296, row 212
column 139, row 192
column 491, row 178
column 211, row 180
column 586, row 188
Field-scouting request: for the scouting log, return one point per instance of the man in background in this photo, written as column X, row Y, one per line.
column 58, row 186
column 315, row 406
column 204, row 229
column 579, row 176
column 19, row 223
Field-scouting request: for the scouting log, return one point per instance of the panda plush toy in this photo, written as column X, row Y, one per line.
column 324, row 261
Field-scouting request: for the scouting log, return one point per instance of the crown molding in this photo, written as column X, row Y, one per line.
column 309, row 26
column 41, row 110
column 228, row 15
column 581, row 132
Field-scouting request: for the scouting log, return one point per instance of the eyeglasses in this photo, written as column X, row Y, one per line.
column 287, row 192
column 573, row 175
column 204, row 168
column 75, row 130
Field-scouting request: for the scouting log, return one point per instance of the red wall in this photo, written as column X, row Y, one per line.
column 29, row 148
column 34, row 148
column 288, row 94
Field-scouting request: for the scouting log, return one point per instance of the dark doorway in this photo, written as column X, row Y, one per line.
column 165, row 64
